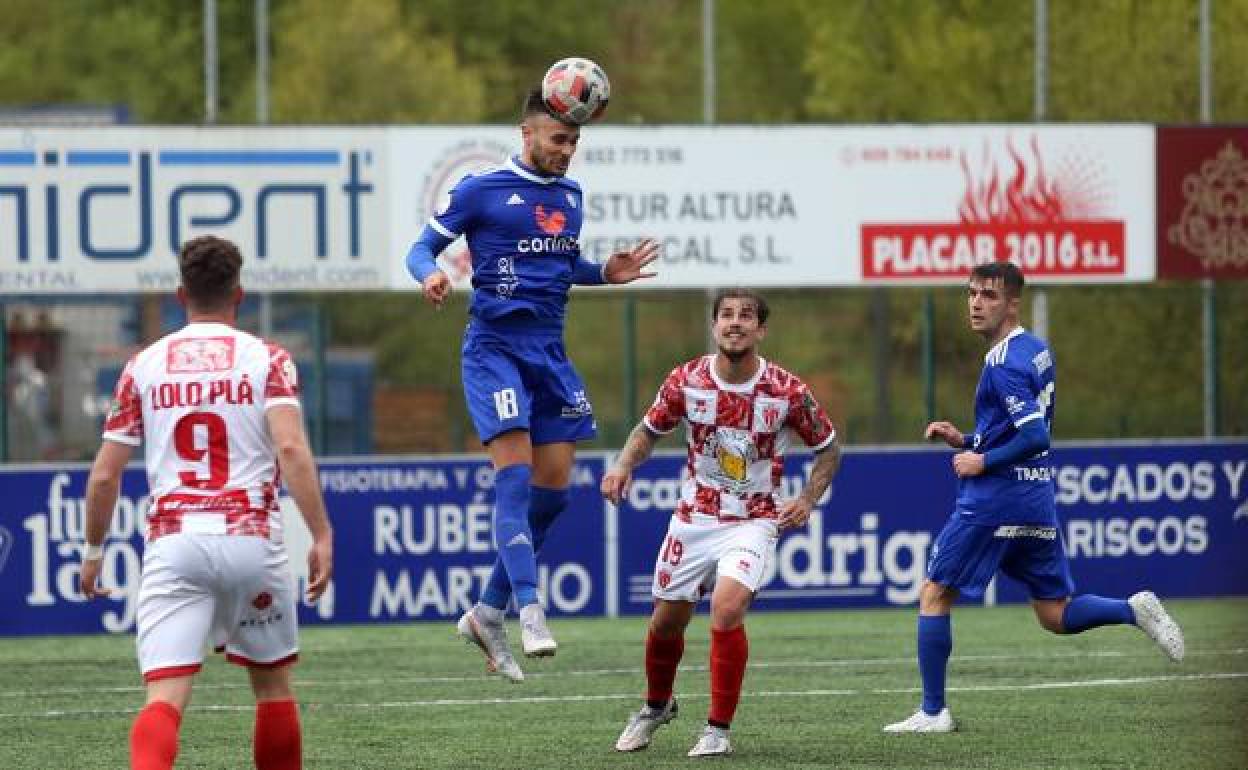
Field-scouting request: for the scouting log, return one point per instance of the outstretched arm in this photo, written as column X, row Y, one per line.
column 638, row 447
column 796, row 512
column 620, row 267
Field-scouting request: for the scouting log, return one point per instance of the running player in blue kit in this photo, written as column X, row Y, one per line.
column 1005, row 517
column 527, row 402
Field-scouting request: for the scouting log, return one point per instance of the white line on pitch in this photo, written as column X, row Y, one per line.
column 687, row 668
column 546, row 699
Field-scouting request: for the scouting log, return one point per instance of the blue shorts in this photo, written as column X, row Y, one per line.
column 516, row 381
column 966, row 556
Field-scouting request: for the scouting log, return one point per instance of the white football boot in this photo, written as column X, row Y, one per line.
column 922, row 722
column 491, row 638
column 1153, row 620
column 643, row 725
column 713, row 742
column 535, row 637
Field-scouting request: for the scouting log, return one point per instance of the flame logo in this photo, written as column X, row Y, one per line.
column 551, row 224
column 1030, row 193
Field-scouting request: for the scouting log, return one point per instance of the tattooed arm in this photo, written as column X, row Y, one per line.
column 638, row 447
column 798, row 510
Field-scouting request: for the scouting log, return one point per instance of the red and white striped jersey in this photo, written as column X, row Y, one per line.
column 737, row 435
column 197, row 399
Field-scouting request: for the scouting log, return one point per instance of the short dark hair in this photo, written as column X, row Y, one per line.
column 760, row 304
column 534, row 104
column 210, row 268
column 1011, row 277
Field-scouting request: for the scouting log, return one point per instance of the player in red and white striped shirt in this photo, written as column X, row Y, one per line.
column 740, row 412
column 218, row 410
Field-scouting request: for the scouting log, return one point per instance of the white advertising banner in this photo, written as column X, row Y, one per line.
column 329, row 209
column 1070, row 203
column 826, row 206
column 106, row 210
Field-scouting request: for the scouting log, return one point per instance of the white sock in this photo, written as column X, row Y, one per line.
column 487, row 614
column 532, row 612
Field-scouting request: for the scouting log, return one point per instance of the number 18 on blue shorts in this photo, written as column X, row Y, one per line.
column 514, row 381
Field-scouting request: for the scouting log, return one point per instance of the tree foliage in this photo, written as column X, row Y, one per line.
column 466, row 61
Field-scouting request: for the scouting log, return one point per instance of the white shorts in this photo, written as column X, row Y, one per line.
column 694, row 554
column 233, row 590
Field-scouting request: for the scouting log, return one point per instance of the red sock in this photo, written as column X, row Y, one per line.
column 154, row 737
column 277, row 744
column 662, row 657
column 729, row 651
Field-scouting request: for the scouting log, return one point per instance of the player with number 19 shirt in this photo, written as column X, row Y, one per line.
column 740, row 412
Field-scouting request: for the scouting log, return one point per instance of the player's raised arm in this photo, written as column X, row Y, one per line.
column 628, row 266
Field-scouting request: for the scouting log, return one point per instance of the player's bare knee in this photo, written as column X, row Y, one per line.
column 936, row 599
column 271, row 683
column 670, row 618
column 1049, row 614
column 728, row 613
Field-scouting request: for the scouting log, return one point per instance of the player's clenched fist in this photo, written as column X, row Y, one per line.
column 615, row 484
column 437, row 287
column 91, row 587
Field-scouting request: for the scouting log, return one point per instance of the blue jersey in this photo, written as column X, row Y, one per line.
column 1016, row 387
column 522, row 230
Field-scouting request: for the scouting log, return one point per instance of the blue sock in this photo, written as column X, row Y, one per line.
column 545, row 505
column 935, row 644
column 1092, row 611
column 512, row 536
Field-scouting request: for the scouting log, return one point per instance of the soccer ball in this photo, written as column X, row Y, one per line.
column 576, row 90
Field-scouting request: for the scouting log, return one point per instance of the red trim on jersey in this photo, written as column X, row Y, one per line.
column 171, row 672
column 241, row 517
column 283, row 379
column 239, row 660
column 193, row 355
column 125, row 415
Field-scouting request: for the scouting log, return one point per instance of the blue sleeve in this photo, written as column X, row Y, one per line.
column 458, row 210
column 1032, row 439
column 421, row 257
column 586, row 273
column 1016, row 393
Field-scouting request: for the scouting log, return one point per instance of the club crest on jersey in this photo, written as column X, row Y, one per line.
column 701, row 405
column 262, row 600
column 200, row 354
column 665, row 578
column 769, row 414
column 551, row 224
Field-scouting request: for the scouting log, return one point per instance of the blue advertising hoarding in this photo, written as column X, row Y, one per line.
column 412, row 536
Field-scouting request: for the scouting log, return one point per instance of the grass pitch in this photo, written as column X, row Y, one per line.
column 819, row 688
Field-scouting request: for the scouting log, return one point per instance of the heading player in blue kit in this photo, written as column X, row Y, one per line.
column 1005, row 517
column 527, row 402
